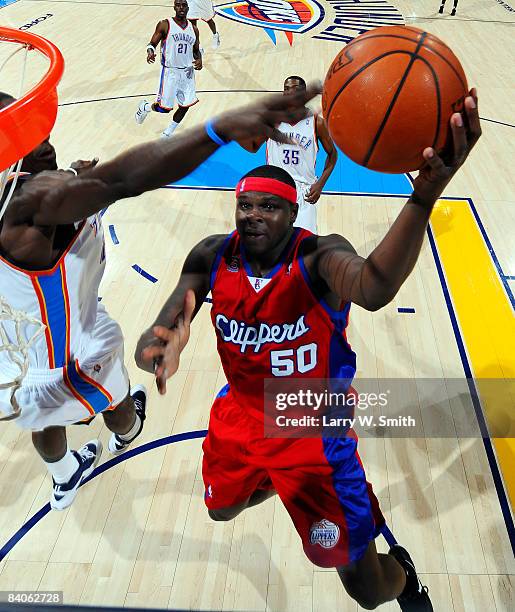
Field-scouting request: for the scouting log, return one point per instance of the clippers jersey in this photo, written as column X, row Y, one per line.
column 298, row 160
column 177, row 48
column 274, row 326
column 64, row 298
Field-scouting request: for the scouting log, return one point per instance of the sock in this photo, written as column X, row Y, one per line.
column 172, row 127
column 127, row 437
column 63, row 469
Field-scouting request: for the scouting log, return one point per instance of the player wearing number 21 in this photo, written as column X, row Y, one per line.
column 180, row 56
column 281, row 301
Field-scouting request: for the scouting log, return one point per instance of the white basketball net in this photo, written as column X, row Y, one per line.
column 18, row 352
column 15, row 337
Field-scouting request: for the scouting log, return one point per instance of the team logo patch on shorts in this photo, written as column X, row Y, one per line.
column 324, row 533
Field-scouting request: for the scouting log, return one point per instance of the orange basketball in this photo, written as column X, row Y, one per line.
column 389, row 94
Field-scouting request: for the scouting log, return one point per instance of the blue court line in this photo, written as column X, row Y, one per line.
column 145, row 95
column 134, row 452
column 509, row 277
column 34, row 520
column 145, row 274
column 490, row 454
column 114, row 237
column 405, row 310
column 490, row 248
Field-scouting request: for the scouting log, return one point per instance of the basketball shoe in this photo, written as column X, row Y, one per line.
column 63, row 493
column 216, row 40
column 415, row 597
column 143, row 110
column 117, row 443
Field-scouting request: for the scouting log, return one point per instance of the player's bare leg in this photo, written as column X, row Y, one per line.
column 231, row 512
column 377, row 578
column 126, row 420
column 216, row 35
column 68, row 468
column 178, row 116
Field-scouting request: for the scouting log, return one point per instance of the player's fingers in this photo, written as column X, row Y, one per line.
column 153, row 353
column 434, row 161
column 298, row 99
column 163, row 333
column 473, row 121
column 161, row 384
column 278, row 136
column 459, row 138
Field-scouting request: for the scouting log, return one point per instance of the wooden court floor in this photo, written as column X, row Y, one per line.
column 138, row 534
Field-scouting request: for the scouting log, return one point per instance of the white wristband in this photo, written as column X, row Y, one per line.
column 72, row 170
column 151, row 48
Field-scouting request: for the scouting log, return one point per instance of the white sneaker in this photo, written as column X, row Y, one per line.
column 64, row 493
column 139, row 395
column 216, row 40
column 168, row 133
column 141, row 113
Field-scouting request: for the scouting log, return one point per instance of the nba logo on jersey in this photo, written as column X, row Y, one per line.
column 257, row 284
column 324, row 533
column 234, row 264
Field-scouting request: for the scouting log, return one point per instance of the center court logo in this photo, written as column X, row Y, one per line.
column 288, row 16
column 351, row 17
column 324, row 533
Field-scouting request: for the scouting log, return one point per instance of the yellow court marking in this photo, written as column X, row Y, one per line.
column 486, row 320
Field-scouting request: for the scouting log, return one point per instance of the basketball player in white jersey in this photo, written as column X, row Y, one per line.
column 203, row 9
column 299, row 160
column 52, row 259
column 180, row 56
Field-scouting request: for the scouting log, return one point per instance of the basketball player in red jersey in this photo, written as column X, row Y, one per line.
column 281, row 299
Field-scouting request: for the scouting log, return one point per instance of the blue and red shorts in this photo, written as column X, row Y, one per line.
column 320, row 481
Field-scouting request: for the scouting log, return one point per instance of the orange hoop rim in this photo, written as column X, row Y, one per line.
column 27, row 122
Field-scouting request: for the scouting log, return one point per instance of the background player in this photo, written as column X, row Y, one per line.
column 180, row 56
column 299, row 160
column 52, row 261
column 292, row 323
column 203, row 9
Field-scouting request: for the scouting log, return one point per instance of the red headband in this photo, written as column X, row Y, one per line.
column 267, row 185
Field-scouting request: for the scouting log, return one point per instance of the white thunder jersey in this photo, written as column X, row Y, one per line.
column 177, row 48
column 299, row 160
column 64, row 298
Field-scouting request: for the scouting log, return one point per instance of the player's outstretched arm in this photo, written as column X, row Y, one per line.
column 332, row 155
column 159, row 34
column 373, row 282
column 59, row 199
column 165, row 339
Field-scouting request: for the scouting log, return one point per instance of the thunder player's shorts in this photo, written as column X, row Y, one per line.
column 307, row 215
column 321, row 482
column 201, row 9
column 79, row 391
column 177, row 87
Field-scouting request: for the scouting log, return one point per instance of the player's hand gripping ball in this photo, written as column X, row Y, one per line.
column 389, row 94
